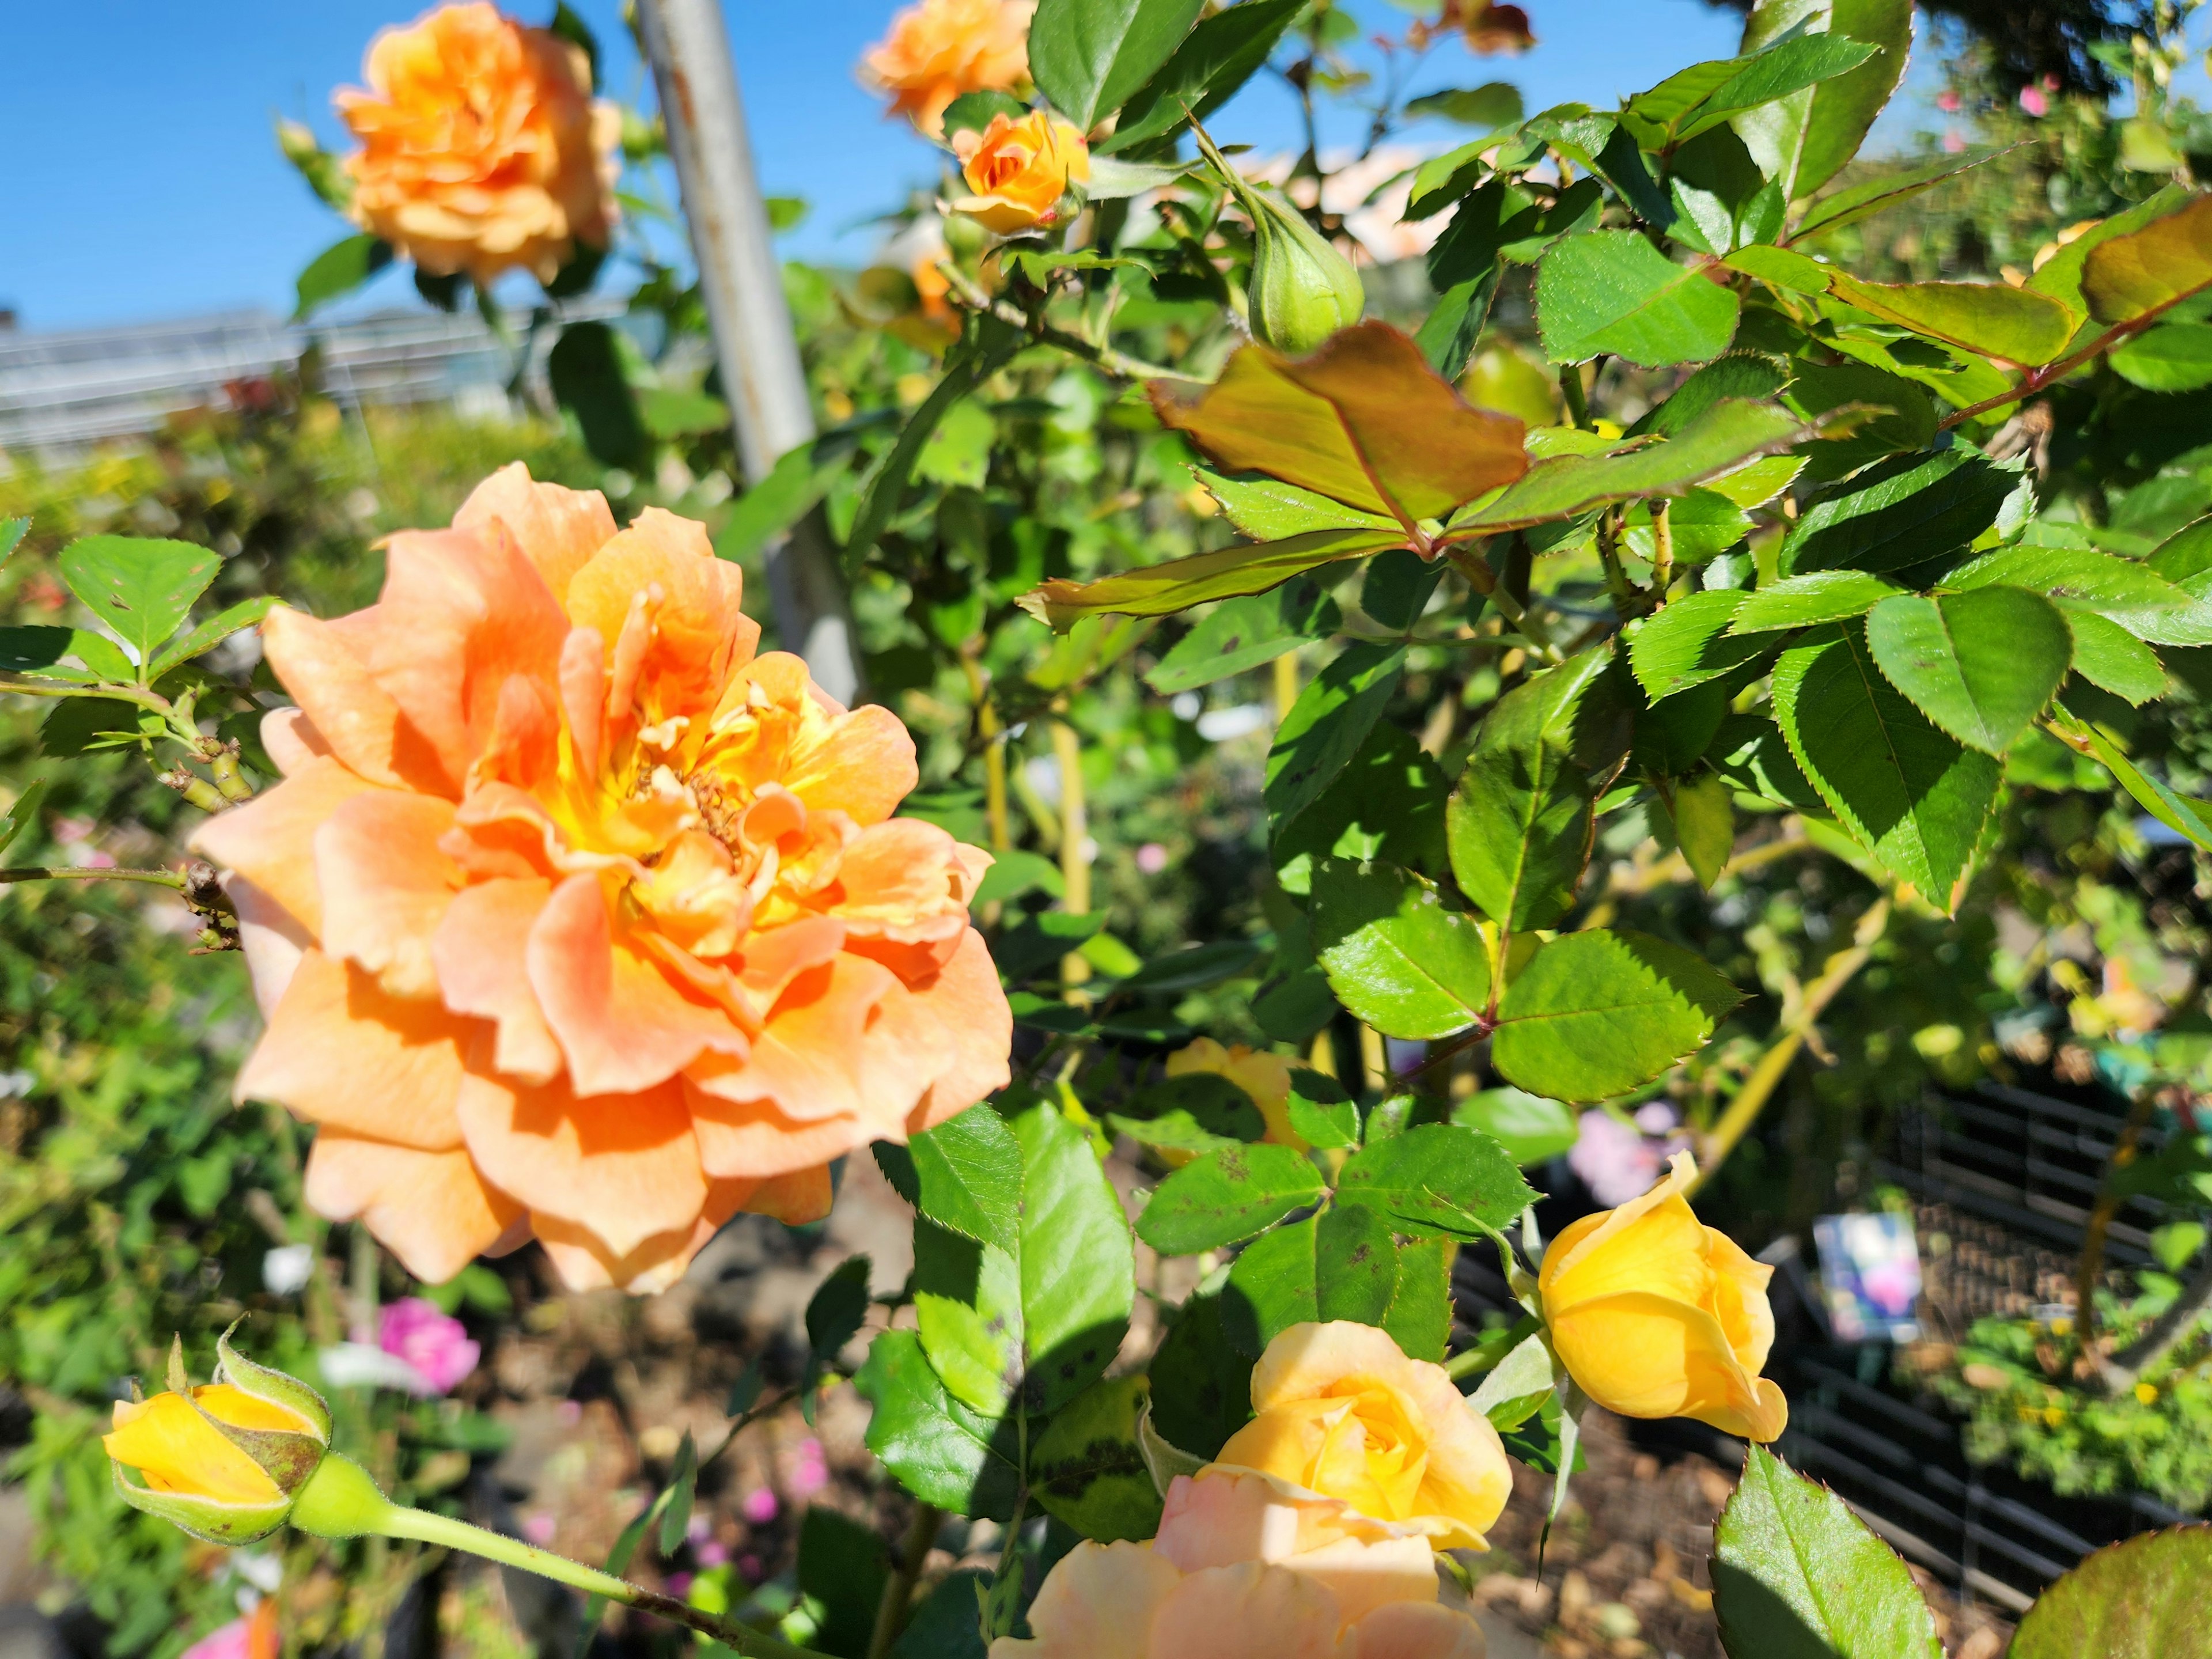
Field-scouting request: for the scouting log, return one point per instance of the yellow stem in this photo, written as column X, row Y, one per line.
column 1286, row 684
column 1074, row 834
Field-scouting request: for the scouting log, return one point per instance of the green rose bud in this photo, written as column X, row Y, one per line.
column 1301, row 290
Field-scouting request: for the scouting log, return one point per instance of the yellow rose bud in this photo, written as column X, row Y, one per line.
column 1265, row 1077
column 1655, row 1314
column 1342, row 1413
column 1020, row 172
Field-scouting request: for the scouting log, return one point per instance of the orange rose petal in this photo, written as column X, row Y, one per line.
column 807, row 1057
column 355, row 715
column 431, row 1210
column 621, row 1025
column 291, row 739
column 739, row 1138
column 342, row 1052
column 556, row 528
column 624, row 1167
column 966, row 998
column 270, row 938
column 269, row 839
column 1100, row 1601
column 796, row 1200
column 385, row 886
column 1248, row 1611
column 480, row 953
column 701, row 630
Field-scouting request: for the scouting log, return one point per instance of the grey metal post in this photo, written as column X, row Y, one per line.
column 743, row 286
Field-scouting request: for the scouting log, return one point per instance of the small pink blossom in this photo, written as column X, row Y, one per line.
column 1151, row 857
column 538, row 1527
column 436, row 1345
column 571, row 1412
column 1614, row 1162
column 759, row 1506
column 810, row 1470
column 710, row 1555
column 1955, row 142
column 678, row 1584
column 698, row 1530
column 1949, row 101
column 2034, row 101
column 225, row 1642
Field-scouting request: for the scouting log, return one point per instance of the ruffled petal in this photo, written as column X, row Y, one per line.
column 431, row 1210
column 385, row 886
column 269, row 840
column 481, row 950
column 558, row 529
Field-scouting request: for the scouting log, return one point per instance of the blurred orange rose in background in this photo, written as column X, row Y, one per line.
column 1018, row 171
column 941, row 48
column 481, row 150
column 573, row 917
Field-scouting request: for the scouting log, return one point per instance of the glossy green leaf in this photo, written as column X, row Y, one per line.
column 1805, row 139
column 1364, row 420
column 2139, row 1598
column 1494, row 104
column 1820, row 596
column 968, row 1172
column 1797, row 1575
column 1612, row 292
column 1217, row 58
column 338, row 269
column 1201, row 1385
column 1691, row 101
column 2060, row 275
column 2173, row 357
column 2190, row 818
column 1087, row 1469
column 12, row 531
column 1393, row 955
column 1981, row 664
column 1328, row 724
column 2106, row 655
column 1225, row 1196
column 1387, row 804
column 1341, row 1264
column 1520, row 823
column 968, row 1313
column 1597, row 1013
column 23, row 814
column 1720, row 439
column 1912, row 795
column 1087, row 55
column 1077, row 1265
column 937, row 1448
column 1901, row 513
column 1161, row 590
column 142, row 589
column 973, row 112
column 1688, row 643
column 840, row 1304
column 1243, row 634
column 1419, row 1319
column 205, row 637
column 1439, row 1179
column 2127, row 278
column 684, row 1481
column 1321, row 1110
column 1877, row 195
column 1993, row 319
column 1748, row 752
column 1267, row 510
column 801, row 476
column 2135, row 596
column 1532, row 1129
column 1705, row 825
column 586, row 372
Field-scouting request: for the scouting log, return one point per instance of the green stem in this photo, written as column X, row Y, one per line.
column 898, row 1589
column 1571, row 386
column 1117, row 363
column 1484, row 581
column 31, row 872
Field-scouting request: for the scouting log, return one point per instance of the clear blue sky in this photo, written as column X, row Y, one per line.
column 141, row 180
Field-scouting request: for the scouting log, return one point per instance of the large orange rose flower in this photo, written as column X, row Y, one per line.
column 573, row 917
column 941, row 48
column 481, row 150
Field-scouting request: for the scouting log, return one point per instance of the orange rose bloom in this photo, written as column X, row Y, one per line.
column 1493, row 29
column 481, row 149
column 941, row 48
column 573, row 917
column 1019, row 170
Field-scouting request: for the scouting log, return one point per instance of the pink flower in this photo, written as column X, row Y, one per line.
column 436, row 1345
column 1949, row 101
column 2033, row 100
column 759, row 1506
column 1955, row 142
column 710, row 1555
column 1151, row 857
column 810, row 1470
column 1615, row 1163
column 253, row 1637
column 539, row 1528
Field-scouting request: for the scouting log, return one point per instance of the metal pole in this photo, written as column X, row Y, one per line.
column 743, row 287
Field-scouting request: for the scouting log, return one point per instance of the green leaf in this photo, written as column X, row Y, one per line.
column 81, row 725
column 585, row 370
column 969, row 1312
column 1819, row 596
column 1328, row 724
column 12, row 531
column 672, row 414
column 1521, row 818
column 1387, row 802
column 1493, row 105
column 2137, row 597
column 1201, row 1386
column 1691, row 101
column 2107, row 656
column 1797, row 1575
column 1014, row 873
column 1805, row 139
column 746, row 1391
column 247, row 613
column 1243, row 633
column 2060, row 275
column 968, row 1172
column 1393, row 955
column 1217, row 58
column 1612, row 292
column 1341, row 1264
column 1597, row 1013
column 836, row 1311
column 23, row 814
column 2127, row 278
column 142, row 589
column 1267, row 509
column 683, row 1488
column 1705, row 825
column 1911, row 794
column 937, row 1448
column 1087, row 55
column 1749, row 754
column 1532, row 1129
column 1877, row 195
column 800, row 478
column 1420, row 1317
column 1993, row 319
column 2177, row 812
column 1688, row 643
column 2139, row 1598
column 1981, row 664
column 1901, row 513
column 957, row 453
column 972, row 111
column 1225, row 1196
column 1088, row 1469
column 1161, row 590
column 2173, row 357
column 1321, row 1110
column 1364, row 420
column 338, row 269
column 842, row 1566
column 944, row 1625
column 1077, row 1265
column 1720, row 439
column 1439, row 1179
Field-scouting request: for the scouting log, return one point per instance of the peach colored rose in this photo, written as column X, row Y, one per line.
column 481, row 150
column 1132, row 1602
column 1219, row 1517
column 939, row 49
column 1655, row 1314
column 573, row 917
column 1339, row 1411
column 1018, row 171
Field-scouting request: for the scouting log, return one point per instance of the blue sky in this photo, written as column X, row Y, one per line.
column 141, row 180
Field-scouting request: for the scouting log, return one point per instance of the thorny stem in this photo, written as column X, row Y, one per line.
column 1609, row 556
column 2035, row 380
column 1117, row 363
column 898, row 1589
column 1662, row 551
column 1571, row 387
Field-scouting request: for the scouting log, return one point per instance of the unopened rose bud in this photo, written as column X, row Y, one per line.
column 1301, row 290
